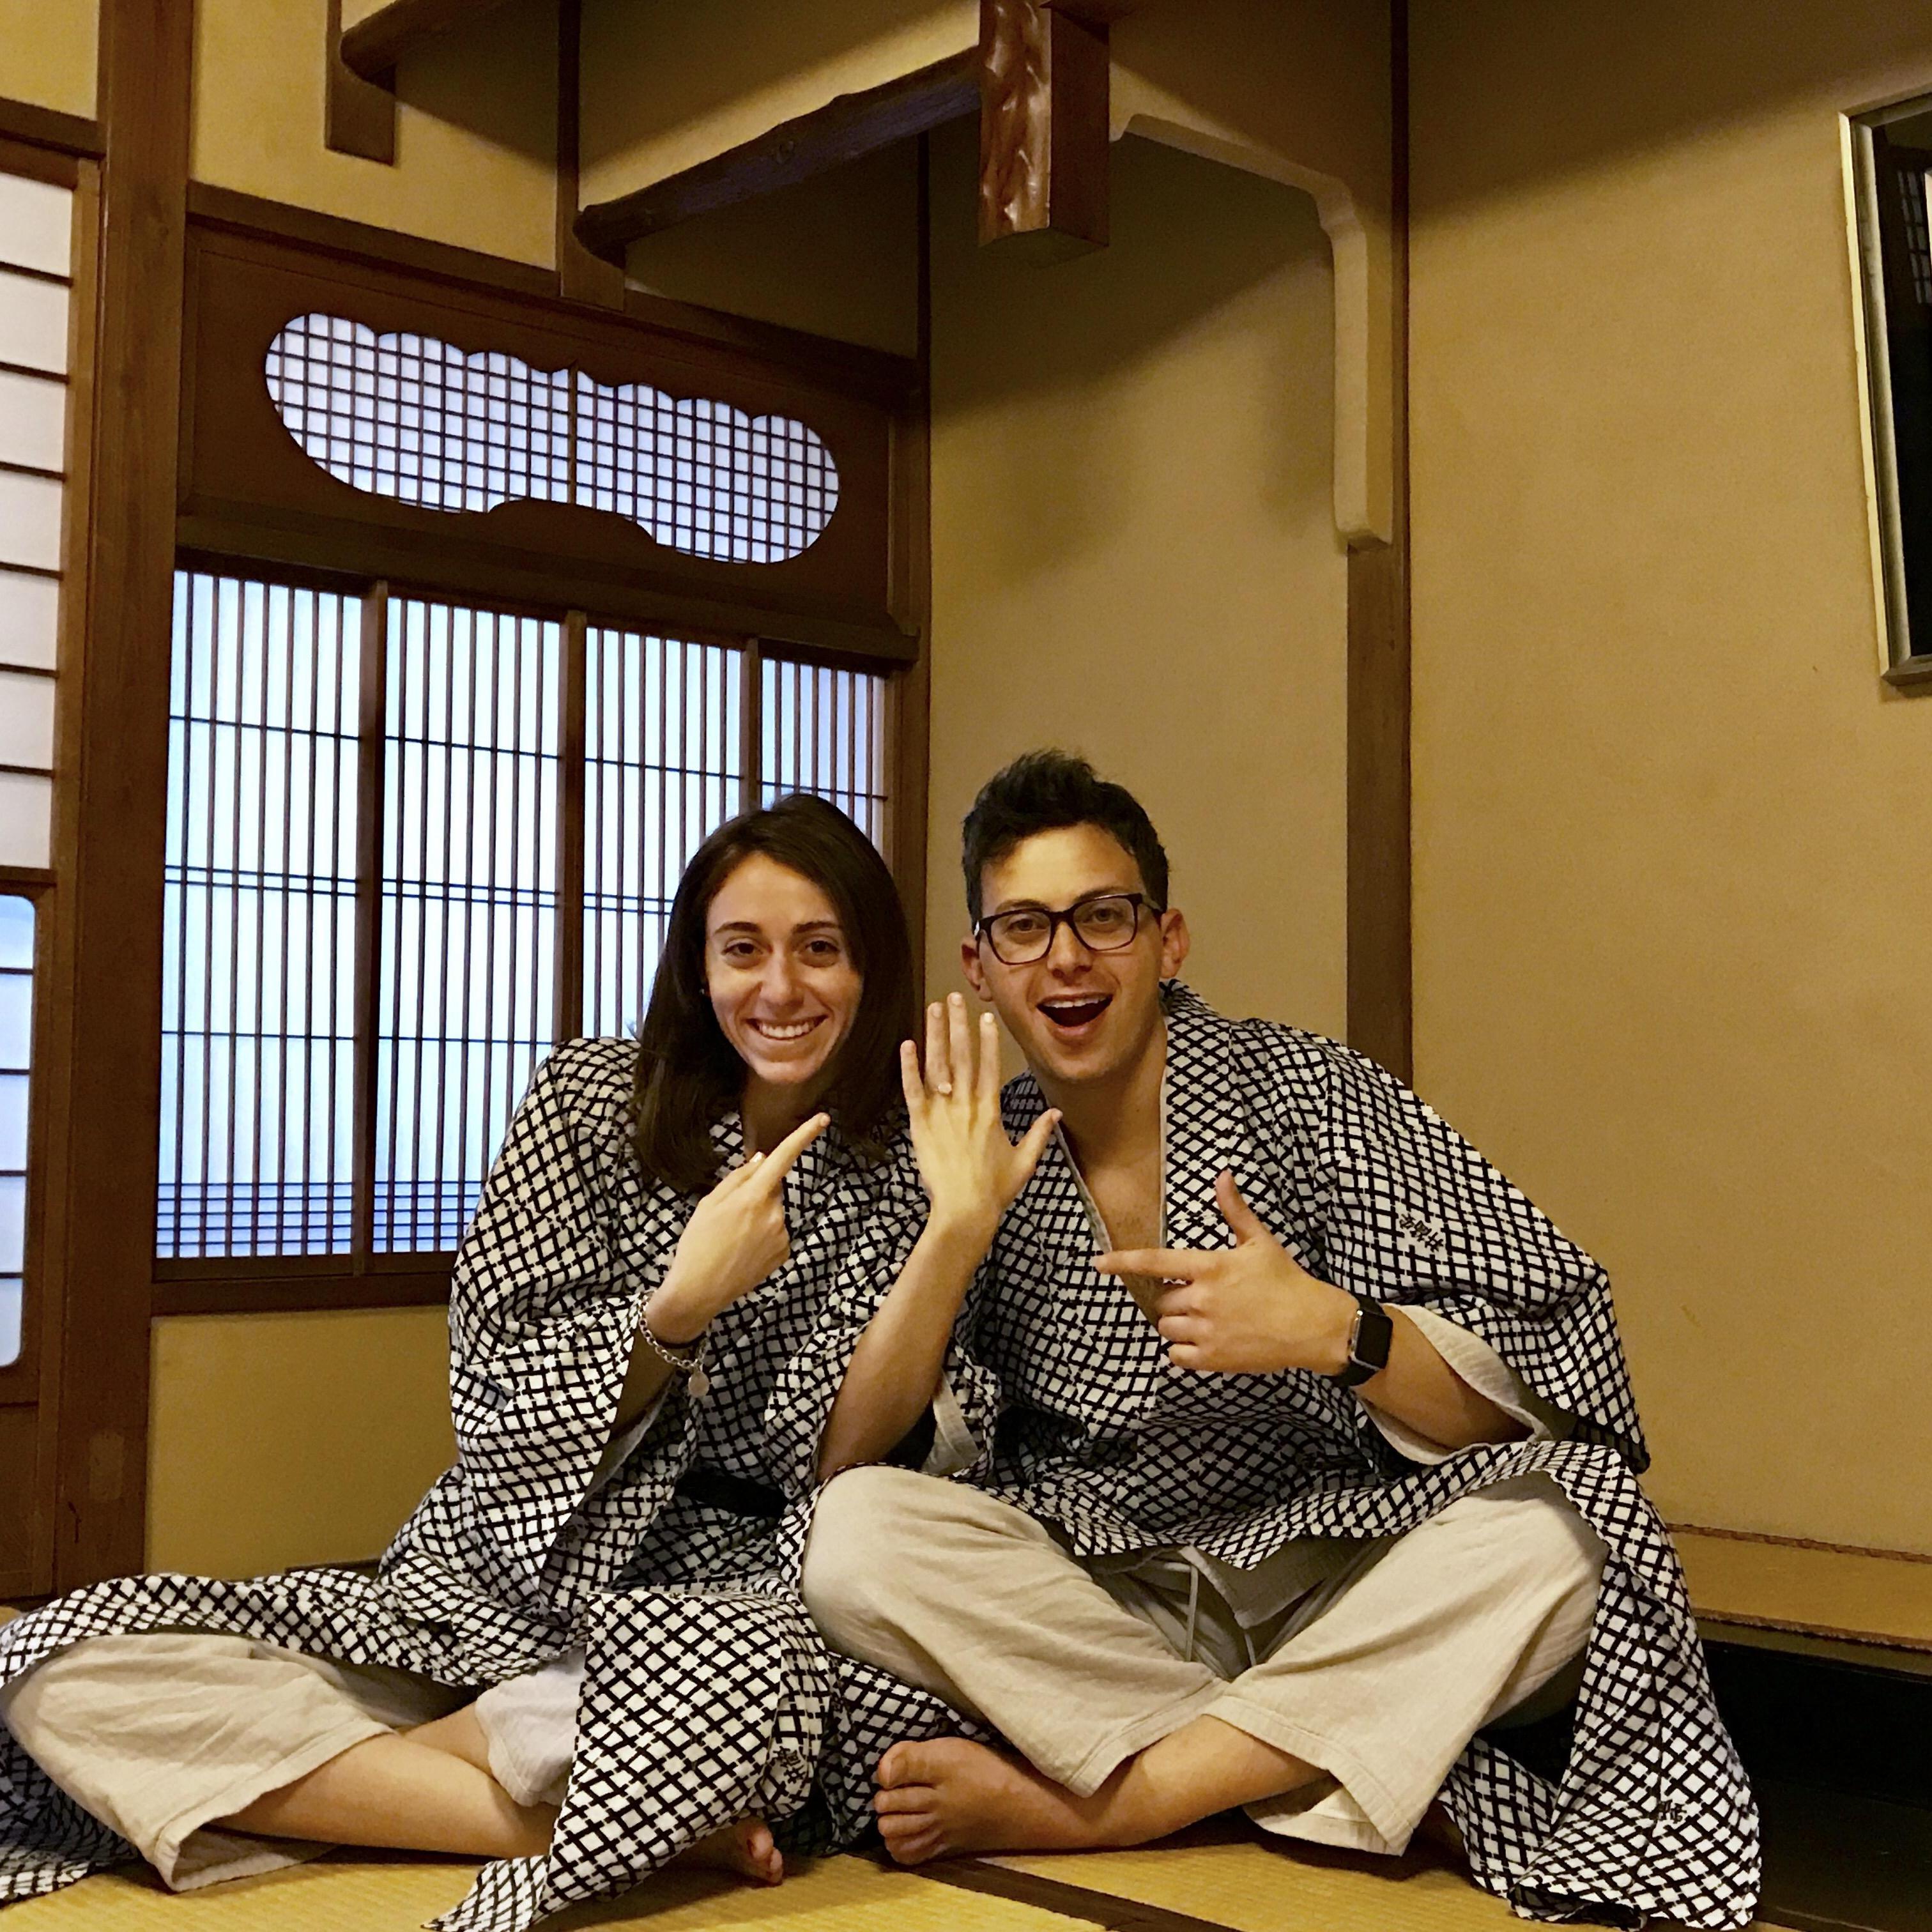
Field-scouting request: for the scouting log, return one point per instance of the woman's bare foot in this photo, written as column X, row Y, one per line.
column 950, row 1796
column 746, row 1848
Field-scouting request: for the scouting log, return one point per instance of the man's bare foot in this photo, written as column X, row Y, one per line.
column 746, row 1848
column 950, row 1796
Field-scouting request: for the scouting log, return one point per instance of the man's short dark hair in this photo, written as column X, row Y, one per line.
column 1044, row 791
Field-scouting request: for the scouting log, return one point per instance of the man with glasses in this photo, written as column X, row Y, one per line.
column 1306, row 1455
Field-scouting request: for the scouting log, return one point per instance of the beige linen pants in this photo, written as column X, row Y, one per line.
column 1380, row 1674
column 159, row 1734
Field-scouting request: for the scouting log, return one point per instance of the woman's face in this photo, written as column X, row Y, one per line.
column 778, row 968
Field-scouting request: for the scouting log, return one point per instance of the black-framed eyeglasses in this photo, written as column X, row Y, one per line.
column 1104, row 923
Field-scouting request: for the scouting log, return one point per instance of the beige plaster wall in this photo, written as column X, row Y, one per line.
column 49, row 50
column 280, row 1439
column 837, row 255
column 1134, row 552
column 1672, row 906
column 475, row 138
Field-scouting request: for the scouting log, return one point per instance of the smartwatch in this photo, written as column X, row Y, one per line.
column 1368, row 1338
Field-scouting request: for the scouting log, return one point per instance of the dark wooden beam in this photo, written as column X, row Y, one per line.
column 912, row 601
column 359, row 116
column 843, row 129
column 46, row 127
column 581, row 275
column 1380, row 941
column 376, row 42
column 111, row 804
column 1044, row 137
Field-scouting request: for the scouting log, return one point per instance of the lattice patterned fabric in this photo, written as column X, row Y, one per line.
column 707, row 1694
column 1098, row 1432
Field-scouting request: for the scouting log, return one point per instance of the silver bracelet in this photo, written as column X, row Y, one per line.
column 689, row 1363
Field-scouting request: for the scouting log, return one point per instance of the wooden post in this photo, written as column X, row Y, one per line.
column 581, row 275
column 1380, row 940
column 358, row 114
column 1043, row 127
column 111, row 820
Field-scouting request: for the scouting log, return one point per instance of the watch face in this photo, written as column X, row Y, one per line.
column 1368, row 1340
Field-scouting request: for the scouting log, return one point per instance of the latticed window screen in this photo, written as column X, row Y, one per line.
column 37, row 245
column 468, row 930
column 16, row 1016
column 825, row 732
column 309, row 1111
column 405, row 416
column 257, row 1016
column 664, row 766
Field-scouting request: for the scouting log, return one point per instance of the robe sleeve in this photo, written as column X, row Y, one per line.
column 544, row 1303
column 1412, row 1214
column 808, row 1386
column 1487, row 1373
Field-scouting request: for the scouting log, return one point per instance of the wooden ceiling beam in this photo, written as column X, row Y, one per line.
column 1044, row 131
column 844, row 129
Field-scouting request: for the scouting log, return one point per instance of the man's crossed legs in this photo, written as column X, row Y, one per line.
column 1362, row 1697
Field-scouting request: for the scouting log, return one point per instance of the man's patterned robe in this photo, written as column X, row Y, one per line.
column 1098, row 1432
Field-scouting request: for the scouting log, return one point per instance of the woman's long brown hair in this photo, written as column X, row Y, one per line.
column 689, row 1075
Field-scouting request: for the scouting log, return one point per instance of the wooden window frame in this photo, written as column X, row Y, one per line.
column 862, row 605
column 211, row 1285
column 249, row 494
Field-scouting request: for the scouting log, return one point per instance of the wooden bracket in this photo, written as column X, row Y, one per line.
column 359, row 116
column 1044, row 133
column 581, row 275
column 362, row 68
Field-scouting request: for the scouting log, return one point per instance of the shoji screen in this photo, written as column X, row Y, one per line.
column 37, row 250
column 410, row 842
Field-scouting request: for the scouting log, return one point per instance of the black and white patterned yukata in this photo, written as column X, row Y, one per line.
column 1094, row 1430
column 707, row 1695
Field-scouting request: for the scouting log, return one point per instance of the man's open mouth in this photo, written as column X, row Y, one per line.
column 1077, row 1010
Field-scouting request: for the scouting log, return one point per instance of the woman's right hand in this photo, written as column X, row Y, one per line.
column 970, row 1171
column 735, row 1239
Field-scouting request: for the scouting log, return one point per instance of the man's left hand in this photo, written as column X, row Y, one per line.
column 1250, row 1310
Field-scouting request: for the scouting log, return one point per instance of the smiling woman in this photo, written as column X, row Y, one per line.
column 780, row 918
column 653, row 1307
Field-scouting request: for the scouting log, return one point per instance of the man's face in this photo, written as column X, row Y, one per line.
column 1079, row 1015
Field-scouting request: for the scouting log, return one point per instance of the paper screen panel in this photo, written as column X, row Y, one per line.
column 30, row 521
column 468, row 926
column 33, row 322
column 662, row 770
column 259, row 929
column 825, row 732
column 26, row 720
column 29, row 619
column 33, row 420
column 26, row 816
column 36, row 225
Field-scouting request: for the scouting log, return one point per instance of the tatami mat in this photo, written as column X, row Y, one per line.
column 1835, row 1593
column 1227, row 1874
column 1217, row 1875
column 361, row 1894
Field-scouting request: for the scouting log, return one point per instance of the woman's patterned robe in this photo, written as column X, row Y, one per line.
column 1098, row 1432
column 707, row 1694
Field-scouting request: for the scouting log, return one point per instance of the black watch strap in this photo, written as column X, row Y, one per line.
column 1368, row 1342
